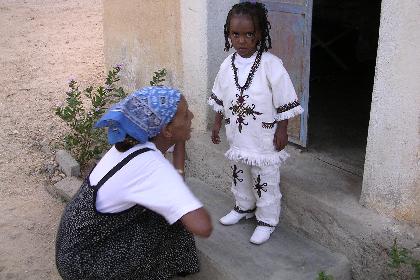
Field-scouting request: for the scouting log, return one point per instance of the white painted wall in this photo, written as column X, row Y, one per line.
column 391, row 182
column 202, row 52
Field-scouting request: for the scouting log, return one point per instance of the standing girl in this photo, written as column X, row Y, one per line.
column 254, row 94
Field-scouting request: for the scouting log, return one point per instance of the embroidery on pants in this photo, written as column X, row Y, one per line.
column 240, row 211
column 235, row 174
column 260, row 187
column 261, row 223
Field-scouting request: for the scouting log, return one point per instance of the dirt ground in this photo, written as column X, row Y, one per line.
column 42, row 44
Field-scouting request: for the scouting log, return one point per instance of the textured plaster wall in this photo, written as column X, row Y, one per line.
column 202, row 51
column 216, row 17
column 144, row 36
column 194, row 58
column 391, row 183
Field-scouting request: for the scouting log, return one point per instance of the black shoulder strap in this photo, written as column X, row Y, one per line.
column 120, row 165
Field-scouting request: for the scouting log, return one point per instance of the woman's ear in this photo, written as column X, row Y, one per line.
column 167, row 131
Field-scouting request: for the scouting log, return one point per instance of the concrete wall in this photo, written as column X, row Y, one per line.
column 391, row 182
column 144, row 36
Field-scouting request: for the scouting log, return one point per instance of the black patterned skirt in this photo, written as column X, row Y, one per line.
column 133, row 244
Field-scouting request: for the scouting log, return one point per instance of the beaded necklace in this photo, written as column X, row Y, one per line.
column 240, row 109
column 250, row 75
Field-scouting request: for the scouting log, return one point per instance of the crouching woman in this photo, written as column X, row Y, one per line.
column 134, row 217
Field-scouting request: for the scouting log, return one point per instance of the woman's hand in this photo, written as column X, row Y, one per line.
column 215, row 138
column 280, row 136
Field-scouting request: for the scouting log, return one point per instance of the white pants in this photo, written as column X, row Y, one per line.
column 257, row 187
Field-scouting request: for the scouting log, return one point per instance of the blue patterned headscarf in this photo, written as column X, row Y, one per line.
column 141, row 115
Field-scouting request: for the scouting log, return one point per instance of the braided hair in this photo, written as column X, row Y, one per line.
column 258, row 12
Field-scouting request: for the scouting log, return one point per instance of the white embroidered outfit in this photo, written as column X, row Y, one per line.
column 261, row 95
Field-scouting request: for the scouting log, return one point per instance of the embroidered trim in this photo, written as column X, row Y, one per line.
column 287, row 107
column 235, row 174
column 217, row 100
column 268, row 125
column 260, row 187
column 261, row 223
column 289, row 114
column 227, row 121
column 240, row 211
column 215, row 106
column 251, row 72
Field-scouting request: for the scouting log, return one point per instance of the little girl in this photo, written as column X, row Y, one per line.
column 255, row 95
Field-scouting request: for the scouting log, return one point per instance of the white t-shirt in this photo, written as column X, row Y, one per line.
column 149, row 180
column 251, row 119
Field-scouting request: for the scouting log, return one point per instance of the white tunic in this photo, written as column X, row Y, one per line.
column 149, row 180
column 251, row 118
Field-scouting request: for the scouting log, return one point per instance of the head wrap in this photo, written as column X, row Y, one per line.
column 141, row 115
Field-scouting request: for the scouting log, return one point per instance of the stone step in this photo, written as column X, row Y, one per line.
column 228, row 254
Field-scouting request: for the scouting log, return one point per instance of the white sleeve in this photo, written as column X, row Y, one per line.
column 285, row 99
column 216, row 97
column 165, row 193
column 219, row 87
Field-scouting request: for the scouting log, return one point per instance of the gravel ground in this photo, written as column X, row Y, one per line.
column 42, row 44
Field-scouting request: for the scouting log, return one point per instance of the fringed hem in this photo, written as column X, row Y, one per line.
column 216, row 107
column 289, row 114
column 275, row 158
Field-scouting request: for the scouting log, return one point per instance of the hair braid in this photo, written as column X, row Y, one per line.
column 258, row 12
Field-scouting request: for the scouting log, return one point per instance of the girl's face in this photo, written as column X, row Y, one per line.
column 243, row 36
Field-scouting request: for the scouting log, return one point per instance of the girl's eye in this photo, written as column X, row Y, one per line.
column 235, row 35
column 250, row 35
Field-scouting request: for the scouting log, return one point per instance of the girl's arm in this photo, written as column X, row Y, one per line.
column 178, row 159
column 280, row 136
column 215, row 138
column 198, row 222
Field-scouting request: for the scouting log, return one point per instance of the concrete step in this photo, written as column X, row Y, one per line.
column 228, row 254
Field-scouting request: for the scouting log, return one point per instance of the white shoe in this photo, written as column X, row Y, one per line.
column 233, row 217
column 261, row 234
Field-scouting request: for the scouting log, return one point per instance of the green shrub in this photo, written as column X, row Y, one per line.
column 323, row 276
column 402, row 262
column 84, row 141
column 158, row 77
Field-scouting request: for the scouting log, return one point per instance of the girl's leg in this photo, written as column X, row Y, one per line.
column 266, row 188
column 241, row 186
column 244, row 197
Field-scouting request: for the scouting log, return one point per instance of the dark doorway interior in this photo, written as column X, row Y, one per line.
column 343, row 55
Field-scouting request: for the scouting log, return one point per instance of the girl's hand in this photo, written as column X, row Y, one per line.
column 280, row 136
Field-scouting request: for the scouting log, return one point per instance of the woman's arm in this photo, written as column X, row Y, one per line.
column 198, row 222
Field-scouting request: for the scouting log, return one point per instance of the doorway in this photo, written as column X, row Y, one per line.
column 343, row 55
